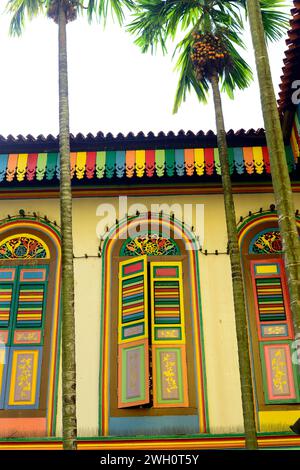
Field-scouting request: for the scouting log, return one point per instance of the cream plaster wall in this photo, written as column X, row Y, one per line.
column 222, row 376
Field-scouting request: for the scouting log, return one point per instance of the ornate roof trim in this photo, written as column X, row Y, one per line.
column 291, row 61
column 119, row 164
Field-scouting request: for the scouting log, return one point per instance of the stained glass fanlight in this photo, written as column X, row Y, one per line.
column 150, row 244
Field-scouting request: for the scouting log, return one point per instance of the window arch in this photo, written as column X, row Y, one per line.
column 29, row 320
column 276, row 375
column 143, row 407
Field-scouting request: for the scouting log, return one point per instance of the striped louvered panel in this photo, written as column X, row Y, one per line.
column 132, row 299
column 5, row 304
column 166, row 302
column 133, row 358
column 270, row 299
column 30, row 306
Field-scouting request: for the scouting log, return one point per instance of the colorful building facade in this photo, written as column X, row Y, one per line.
column 156, row 349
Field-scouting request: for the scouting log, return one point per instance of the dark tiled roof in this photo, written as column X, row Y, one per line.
column 79, row 142
column 291, row 69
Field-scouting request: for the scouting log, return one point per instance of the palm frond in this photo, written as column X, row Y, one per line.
column 275, row 21
column 150, row 26
column 20, row 9
column 238, row 75
column 157, row 21
column 187, row 80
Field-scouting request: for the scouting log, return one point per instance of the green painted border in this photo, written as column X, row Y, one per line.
column 179, row 368
column 56, row 230
column 203, row 361
column 178, row 328
column 162, row 278
column 102, row 313
column 124, row 327
column 142, row 395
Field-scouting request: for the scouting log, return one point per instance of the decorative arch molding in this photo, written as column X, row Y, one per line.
column 271, row 332
column 113, row 241
column 48, row 236
column 255, row 223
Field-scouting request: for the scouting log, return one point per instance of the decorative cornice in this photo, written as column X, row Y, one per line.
column 111, row 165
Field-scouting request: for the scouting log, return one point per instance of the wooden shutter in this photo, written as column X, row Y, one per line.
column 133, row 344
column 275, row 331
column 7, row 285
column 170, row 384
column 26, row 338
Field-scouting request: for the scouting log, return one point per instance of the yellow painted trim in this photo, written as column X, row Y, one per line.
column 196, row 331
column 17, row 353
column 271, row 421
column 54, row 237
column 266, row 269
column 29, row 235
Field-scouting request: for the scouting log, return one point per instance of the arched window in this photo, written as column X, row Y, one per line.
column 152, row 360
column 29, row 308
column 155, row 381
column 276, row 374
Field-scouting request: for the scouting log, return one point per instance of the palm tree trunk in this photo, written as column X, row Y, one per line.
column 279, row 169
column 68, row 318
column 237, row 279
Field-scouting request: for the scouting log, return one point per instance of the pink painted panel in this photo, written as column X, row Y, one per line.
column 280, row 380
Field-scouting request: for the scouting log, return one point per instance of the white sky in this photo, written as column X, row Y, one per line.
column 113, row 87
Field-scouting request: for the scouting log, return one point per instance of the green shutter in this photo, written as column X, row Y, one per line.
column 23, row 310
column 170, row 382
column 275, row 331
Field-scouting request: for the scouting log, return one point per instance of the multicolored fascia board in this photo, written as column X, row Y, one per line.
column 143, row 163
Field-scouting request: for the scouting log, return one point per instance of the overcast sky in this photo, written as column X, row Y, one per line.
column 113, row 87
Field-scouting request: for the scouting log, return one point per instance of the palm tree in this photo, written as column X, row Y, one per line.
column 62, row 12
column 208, row 57
column 279, row 169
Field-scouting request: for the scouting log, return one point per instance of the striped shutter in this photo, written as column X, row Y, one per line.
column 275, row 331
column 7, row 283
column 133, row 343
column 170, row 384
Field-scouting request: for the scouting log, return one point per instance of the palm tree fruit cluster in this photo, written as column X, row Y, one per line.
column 69, row 8
column 209, row 55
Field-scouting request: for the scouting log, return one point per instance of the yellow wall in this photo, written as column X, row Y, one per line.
column 224, row 400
